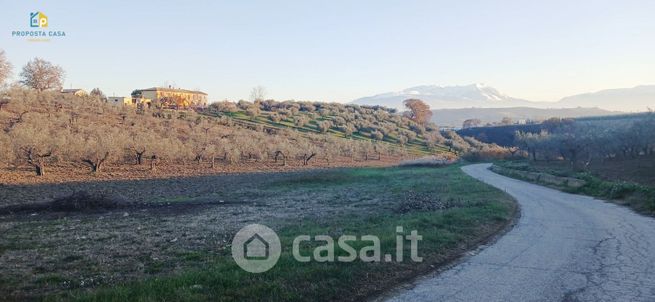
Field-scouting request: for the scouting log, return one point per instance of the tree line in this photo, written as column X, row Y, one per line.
column 583, row 142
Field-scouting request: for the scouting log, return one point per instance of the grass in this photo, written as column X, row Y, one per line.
column 293, row 281
column 476, row 211
column 619, row 188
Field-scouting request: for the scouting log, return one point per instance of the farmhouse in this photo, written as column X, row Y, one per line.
column 129, row 101
column 175, row 97
column 75, row 92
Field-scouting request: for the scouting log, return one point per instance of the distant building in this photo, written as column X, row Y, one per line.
column 175, row 98
column 129, row 101
column 75, row 92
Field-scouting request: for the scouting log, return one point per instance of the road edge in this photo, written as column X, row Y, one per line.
column 453, row 260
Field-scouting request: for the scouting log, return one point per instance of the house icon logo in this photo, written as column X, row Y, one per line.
column 38, row 19
column 256, row 248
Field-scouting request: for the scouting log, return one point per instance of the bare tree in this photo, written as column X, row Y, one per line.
column 257, row 93
column 42, row 75
column 5, row 68
column 307, row 151
column 96, row 92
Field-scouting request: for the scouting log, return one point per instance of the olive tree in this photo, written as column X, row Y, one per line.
column 6, row 151
column 139, row 142
column 36, row 142
column 100, row 145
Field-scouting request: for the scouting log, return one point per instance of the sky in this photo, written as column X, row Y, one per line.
column 340, row 50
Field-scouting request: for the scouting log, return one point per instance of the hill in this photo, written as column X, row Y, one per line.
column 635, row 99
column 639, row 98
column 66, row 137
column 359, row 123
column 456, row 117
column 447, row 97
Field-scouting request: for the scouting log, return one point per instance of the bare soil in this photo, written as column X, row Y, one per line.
column 166, row 225
column 19, row 185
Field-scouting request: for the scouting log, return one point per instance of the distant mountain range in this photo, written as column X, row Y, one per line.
column 456, row 117
column 639, row 98
column 447, row 97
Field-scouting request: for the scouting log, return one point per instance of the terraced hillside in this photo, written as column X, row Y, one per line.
column 363, row 123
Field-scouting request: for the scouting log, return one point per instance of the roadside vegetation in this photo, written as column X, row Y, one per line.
column 180, row 250
column 582, row 142
column 614, row 157
column 609, row 182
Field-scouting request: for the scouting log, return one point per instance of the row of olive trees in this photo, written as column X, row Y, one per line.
column 375, row 122
column 44, row 128
column 472, row 149
column 580, row 143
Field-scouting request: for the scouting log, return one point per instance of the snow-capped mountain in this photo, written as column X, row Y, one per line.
column 639, row 98
column 448, row 97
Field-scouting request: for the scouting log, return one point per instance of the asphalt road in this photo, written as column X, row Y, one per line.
column 564, row 248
